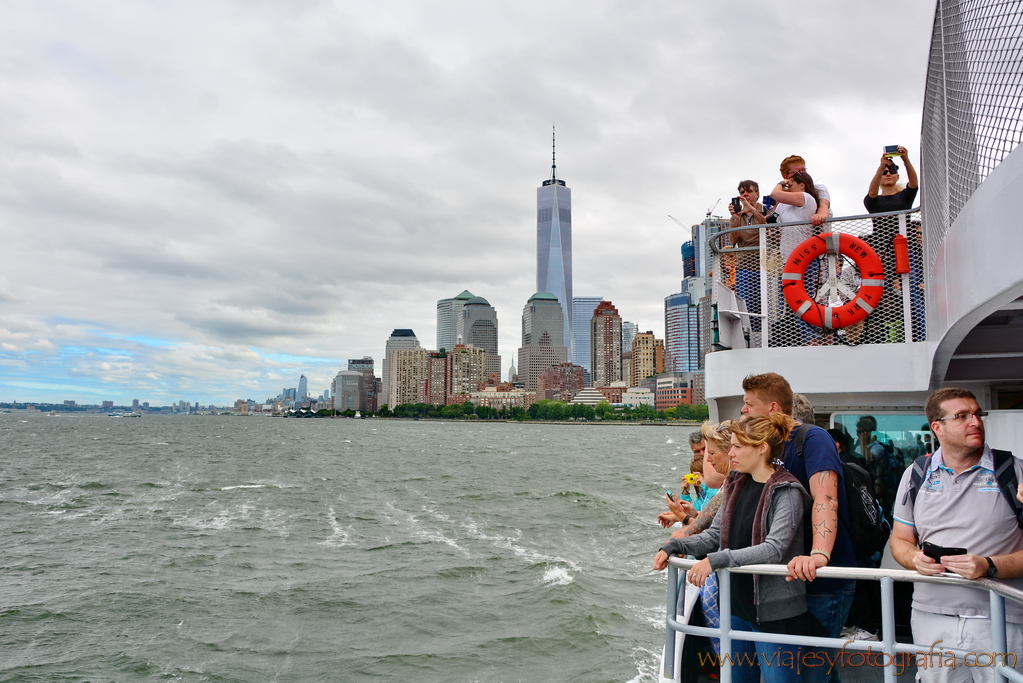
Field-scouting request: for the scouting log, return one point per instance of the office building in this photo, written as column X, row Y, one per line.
column 467, row 371
column 688, row 259
column 702, row 232
column 647, row 357
column 554, row 245
column 365, row 366
column 433, row 387
column 681, row 333
column 303, row 388
column 349, row 389
column 543, row 338
column 605, row 345
column 449, row 313
column 582, row 312
column 406, row 369
column 399, row 339
column 638, row 396
column 629, row 332
column 477, row 327
column 674, row 388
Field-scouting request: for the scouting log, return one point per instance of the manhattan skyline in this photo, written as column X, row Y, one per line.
column 203, row 203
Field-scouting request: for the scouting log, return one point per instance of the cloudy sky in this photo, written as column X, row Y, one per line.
column 202, row 200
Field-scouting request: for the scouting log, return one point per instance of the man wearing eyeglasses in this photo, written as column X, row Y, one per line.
column 959, row 505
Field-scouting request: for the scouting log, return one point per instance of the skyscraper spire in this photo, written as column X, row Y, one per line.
column 554, row 165
column 554, row 245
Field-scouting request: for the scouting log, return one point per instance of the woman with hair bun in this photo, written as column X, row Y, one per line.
column 760, row 522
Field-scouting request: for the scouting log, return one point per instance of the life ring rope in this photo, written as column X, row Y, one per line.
column 832, row 245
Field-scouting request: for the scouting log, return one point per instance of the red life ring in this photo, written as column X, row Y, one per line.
column 859, row 307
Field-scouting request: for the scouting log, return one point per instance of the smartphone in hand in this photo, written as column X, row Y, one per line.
column 936, row 552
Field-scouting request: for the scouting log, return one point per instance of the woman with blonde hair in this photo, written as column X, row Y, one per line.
column 760, row 522
column 715, row 467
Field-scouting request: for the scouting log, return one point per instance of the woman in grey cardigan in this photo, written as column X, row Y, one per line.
column 760, row 522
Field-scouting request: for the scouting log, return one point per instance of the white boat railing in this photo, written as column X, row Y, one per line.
column 887, row 649
column 750, row 310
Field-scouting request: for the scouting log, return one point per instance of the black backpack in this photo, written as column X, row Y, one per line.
column 868, row 528
column 1005, row 475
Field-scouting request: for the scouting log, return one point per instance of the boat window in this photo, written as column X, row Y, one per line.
column 884, row 445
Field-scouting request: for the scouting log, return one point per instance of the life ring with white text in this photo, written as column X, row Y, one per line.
column 859, row 306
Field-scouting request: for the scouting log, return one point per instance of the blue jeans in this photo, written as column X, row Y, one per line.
column 831, row 609
column 748, row 656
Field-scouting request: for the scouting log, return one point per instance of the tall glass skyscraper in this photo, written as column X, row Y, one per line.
column 554, row 246
column 681, row 333
column 449, row 313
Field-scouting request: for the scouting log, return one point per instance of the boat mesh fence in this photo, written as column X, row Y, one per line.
column 972, row 107
column 750, row 280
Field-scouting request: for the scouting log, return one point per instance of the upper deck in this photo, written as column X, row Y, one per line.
column 955, row 318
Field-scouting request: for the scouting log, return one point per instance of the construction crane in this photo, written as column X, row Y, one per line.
column 677, row 221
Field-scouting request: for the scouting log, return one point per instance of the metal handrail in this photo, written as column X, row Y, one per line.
column 840, row 219
column 997, row 590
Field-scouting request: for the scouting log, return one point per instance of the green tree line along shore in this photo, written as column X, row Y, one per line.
column 541, row 410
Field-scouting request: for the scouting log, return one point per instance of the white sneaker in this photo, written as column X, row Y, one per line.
column 857, row 633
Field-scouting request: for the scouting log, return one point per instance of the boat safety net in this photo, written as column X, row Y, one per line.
column 973, row 104
column 749, row 308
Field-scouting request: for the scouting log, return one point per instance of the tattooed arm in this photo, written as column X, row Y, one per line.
column 824, row 518
column 704, row 519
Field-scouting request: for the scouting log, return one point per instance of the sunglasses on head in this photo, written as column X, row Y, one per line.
column 892, row 169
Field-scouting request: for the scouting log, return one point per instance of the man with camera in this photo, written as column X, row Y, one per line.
column 952, row 503
column 746, row 210
column 792, row 165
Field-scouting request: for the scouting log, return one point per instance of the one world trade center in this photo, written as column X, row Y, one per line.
column 554, row 245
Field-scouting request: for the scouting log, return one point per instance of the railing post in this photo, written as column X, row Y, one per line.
column 888, row 624
column 669, row 633
column 907, row 298
column 998, row 640
column 725, row 611
column 765, row 300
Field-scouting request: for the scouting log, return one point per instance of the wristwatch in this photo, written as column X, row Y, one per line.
column 992, row 570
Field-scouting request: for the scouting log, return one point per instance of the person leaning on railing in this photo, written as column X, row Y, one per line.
column 959, row 506
column 668, row 519
column 747, row 266
column 716, row 444
column 717, row 440
column 760, row 522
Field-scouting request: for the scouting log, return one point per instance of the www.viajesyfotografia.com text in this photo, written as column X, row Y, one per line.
column 935, row 657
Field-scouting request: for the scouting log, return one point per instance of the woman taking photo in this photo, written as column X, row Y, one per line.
column 760, row 522
column 797, row 203
column 886, row 193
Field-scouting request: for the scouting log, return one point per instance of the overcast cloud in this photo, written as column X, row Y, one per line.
column 202, row 200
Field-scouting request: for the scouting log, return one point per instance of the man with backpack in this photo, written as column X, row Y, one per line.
column 959, row 504
column 819, row 469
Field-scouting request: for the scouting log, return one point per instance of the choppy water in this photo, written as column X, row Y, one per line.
column 247, row 549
